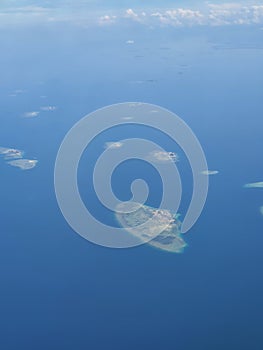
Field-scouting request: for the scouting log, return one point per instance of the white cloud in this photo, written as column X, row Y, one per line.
column 48, row 108
column 113, row 145
column 225, row 6
column 212, row 15
column 161, row 17
column 207, row 14
column 106, row 20
column 130, row 13
column 25, row 14
column 31, row 114
column 19, row 91
column 257, row 14
column 184, row 17
column 127, row 118
column 235, row 13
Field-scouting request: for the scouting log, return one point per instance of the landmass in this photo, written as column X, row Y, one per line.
column 254, row 185
column 24, row 164
column 11, row 153
column 163, row 156
column 15, row 158
column 210, row 172
column 156, row 227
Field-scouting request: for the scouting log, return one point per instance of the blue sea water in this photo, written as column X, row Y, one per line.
column 59, row 291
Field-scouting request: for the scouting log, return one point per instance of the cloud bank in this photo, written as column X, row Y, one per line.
column 208, row 14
